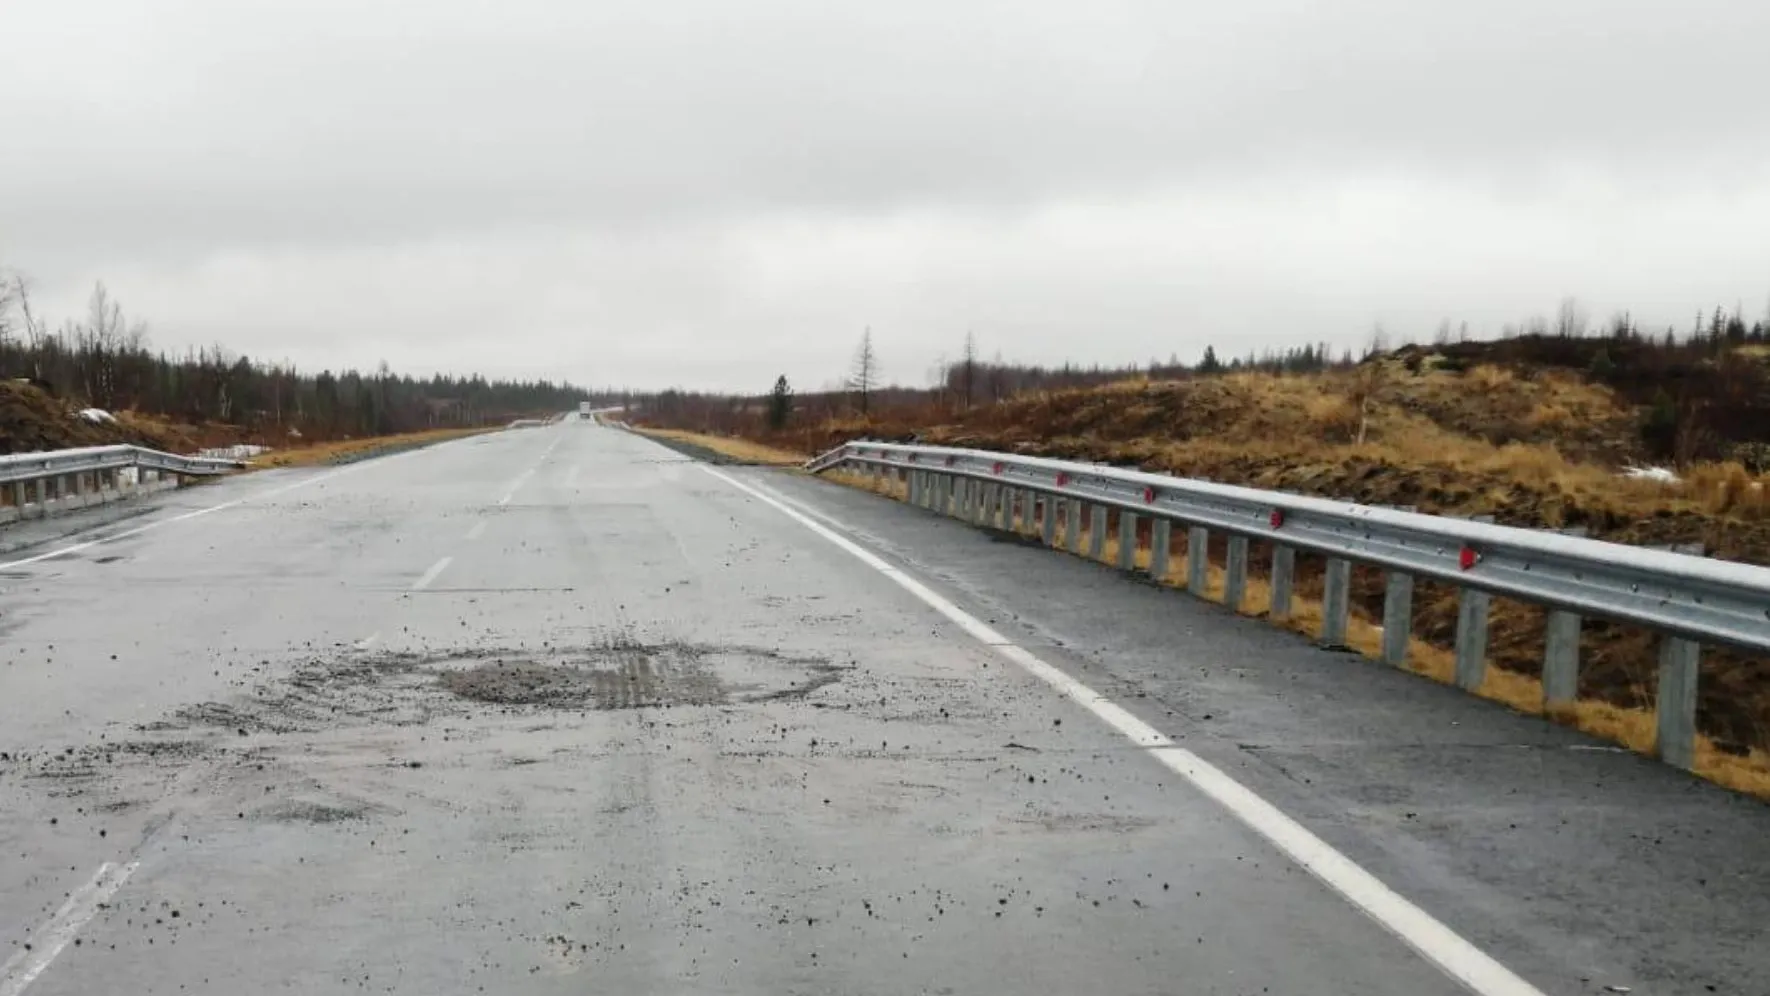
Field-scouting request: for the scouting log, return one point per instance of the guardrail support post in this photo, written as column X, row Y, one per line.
column 1398, row 617
column 1072, row 524
column 1679, row 660
column 1471, row 638
column 1161, row 538
column 1127, row 541
column 1336, row 598
column 1235, row 582
column 1198, row 560
column 1048, row 525
column 1560, row 659
column 1284, row 573
column 1097, row 533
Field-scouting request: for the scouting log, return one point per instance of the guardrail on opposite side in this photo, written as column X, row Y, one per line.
column 33, row 484
column 1688, row 600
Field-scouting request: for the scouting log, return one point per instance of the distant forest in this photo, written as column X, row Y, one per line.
column 106, row 361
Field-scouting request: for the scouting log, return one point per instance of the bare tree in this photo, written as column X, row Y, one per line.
column 865, row 375
column 968, row 368
column 1379, row 343
column 1571, row 319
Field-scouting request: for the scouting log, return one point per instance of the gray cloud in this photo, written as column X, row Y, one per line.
column 707, row 193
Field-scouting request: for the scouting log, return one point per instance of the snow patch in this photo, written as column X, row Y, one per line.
column 242, row 451
column 1663, row 475
column 97, row 416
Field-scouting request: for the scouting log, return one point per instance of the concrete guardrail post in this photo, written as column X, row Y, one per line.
column 1472, row 608
column 1127, row 541
column 1048, row 520
column 1072, row 524
column 1336, row 599
column 1198, row 560
column 1679, row 660
column 1161, row 539
column 1097, row 533
column 1398, row 616
column 1560, row 659
column 1284, row 574
column 1235, row 582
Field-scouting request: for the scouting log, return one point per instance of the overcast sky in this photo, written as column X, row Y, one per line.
column 709, row 193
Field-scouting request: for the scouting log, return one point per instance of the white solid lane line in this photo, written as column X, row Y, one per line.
column 23, row 967
column 437, row 568
column 478, row 530
column 366, row 642
column 1438, row 944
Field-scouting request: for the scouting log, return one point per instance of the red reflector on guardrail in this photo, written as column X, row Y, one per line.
column 1467, row 557
column 1149, row 496
column 1276, row 518
column 997, row 469
column 1062, row 479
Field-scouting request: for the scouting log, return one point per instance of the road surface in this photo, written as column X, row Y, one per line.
column 564, row 711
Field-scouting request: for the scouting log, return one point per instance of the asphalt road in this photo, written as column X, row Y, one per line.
column 562, row 710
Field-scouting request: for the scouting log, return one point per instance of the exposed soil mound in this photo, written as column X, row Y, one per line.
column 32, row 420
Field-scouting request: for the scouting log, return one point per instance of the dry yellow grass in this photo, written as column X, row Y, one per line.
column 318, row 453
column 731, row 446
column 1634, row 729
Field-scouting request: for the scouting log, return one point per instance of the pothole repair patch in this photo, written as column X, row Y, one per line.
column 633, row 677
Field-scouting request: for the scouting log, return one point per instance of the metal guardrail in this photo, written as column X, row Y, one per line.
column 37, row 482
column 1690, row 600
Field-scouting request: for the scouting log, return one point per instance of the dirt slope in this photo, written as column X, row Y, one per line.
column 32, row 420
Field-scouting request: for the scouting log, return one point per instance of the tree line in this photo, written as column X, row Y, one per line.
column 106, row 360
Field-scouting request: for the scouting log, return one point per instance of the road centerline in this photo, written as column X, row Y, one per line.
column 28, row 963
column 430, row 575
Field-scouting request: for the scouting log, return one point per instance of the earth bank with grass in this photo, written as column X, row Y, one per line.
column 1472, row 431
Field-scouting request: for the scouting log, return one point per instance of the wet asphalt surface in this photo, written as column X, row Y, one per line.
column 557, row 711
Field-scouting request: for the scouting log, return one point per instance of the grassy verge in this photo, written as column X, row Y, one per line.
column 346, row 450
column 731, row 448
column 1633, row 728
